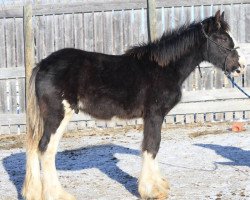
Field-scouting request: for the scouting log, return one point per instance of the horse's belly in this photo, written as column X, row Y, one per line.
column 106, row 109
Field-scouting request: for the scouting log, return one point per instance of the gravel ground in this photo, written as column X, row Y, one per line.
column 200, row 162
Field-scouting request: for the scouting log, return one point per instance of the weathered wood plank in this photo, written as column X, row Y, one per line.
column 13, row 96
column 59, row 32
column 167, row 12
column 208, row 78
column 3, row 96
column 11, row 11
column 49, row 34
column 69, row 30
column 108, row 33
column 39, row 33
column 242, row 23
column 98, row 31
column 127, row 30
column 144, row 27
column 218, row 78
column 19, row 42
column 78, row 31
column 161, row 21
column 8, row 119
column 10, row 62
column 135, row 15
column 89, row 31
column 21, row 91
column 12, row 72
column 2, row 44
column 247, row 22
column 198, row 79
column 178, row 16
column 10, row 42
column 117, row 32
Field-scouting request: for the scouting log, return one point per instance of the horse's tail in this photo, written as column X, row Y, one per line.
column 35, row 120
column 32, row 186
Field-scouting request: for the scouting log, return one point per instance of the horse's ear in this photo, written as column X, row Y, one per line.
column 222, row 17
column 217, row 19
column 217, row 16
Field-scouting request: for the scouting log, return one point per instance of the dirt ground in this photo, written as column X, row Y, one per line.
column 200, row 162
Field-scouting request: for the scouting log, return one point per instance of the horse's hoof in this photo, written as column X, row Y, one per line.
column 57, row 194
column 30, row 195
column 67, row 196
column 154, row 189
column 32, row 190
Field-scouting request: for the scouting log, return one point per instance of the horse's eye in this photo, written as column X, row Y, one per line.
column 224, row 39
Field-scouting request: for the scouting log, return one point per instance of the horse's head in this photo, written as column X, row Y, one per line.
column 221, row 49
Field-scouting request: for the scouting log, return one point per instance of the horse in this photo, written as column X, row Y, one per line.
column 144, row 82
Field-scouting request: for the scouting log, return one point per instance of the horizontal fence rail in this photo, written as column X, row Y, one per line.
column 111, row 27
column 97, row 6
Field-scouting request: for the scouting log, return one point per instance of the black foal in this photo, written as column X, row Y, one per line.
column 145, row 82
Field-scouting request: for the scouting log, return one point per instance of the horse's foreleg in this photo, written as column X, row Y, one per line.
column 52, row 189
column 151, row 183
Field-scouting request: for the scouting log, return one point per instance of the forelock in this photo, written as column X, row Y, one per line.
column 224, row 26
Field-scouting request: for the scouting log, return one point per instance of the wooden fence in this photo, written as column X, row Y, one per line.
column 111, row 27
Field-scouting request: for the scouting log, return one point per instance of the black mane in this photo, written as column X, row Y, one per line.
column 172, row 45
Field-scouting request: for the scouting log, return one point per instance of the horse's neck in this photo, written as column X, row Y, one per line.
column 187, row 64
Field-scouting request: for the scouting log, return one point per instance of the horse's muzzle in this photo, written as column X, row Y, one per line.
column 239, row 71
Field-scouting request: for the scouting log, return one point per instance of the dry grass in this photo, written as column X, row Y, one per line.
column 12, row 141
column 209, row 132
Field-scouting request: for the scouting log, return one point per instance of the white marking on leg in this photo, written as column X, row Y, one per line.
column 52, row 188
column 151, row 183
column 32, row 188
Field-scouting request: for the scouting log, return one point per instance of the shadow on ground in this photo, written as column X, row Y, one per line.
column 238, row 156
column 100, row 157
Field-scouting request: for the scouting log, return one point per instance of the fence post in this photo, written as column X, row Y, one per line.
column 151, row 19
column 28, row 51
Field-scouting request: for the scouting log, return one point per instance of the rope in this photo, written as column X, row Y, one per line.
column 236, row 85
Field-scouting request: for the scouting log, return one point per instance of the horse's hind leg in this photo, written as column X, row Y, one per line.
column 151, row 183
column 54, row 126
